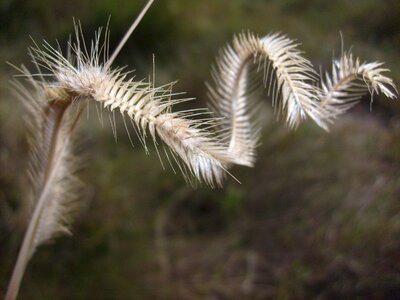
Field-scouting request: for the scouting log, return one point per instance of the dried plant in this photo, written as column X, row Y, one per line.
column 349, row 81
column 202, row 148
column 295, row 89
column 289, row 76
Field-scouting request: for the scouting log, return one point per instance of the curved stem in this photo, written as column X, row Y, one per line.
column 53, row 117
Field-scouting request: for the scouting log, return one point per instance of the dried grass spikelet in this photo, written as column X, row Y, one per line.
column 86, row 75
column 288, row 76
column 349, row 81
column 54, row 187
column 53, row 165
column 293, row 84
column 202, row 148
column 196, row 150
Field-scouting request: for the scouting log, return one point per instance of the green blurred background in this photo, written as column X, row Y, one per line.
column 318, row 216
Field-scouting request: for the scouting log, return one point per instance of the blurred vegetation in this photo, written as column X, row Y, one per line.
column 318, row 217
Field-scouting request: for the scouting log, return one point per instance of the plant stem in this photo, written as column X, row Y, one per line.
column 53, row 117
column 128, row 33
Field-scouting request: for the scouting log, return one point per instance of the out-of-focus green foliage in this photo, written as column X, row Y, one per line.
column 317, row 217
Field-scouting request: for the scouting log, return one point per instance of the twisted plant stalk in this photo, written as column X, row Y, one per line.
column 289, row 76
column 349, row 81
column 296, row 90
column 202, row 148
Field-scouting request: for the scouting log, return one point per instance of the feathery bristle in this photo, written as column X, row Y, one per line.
column 52, row 164
column 349, row 81
column 285, row 73
column 82, row 75
column 202, row 148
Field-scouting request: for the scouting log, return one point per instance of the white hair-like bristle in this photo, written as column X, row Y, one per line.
column 287, row 75
column 349, row 81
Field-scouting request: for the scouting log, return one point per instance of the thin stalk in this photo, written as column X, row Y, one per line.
column 128, row 33
column 56, row 110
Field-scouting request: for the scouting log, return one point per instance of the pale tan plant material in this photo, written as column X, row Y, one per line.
column 288, row 76
column 84, row 75
column 196, row 151
column 349, row 81
column 202, row 148
column 55, row 188
column 291, row 81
